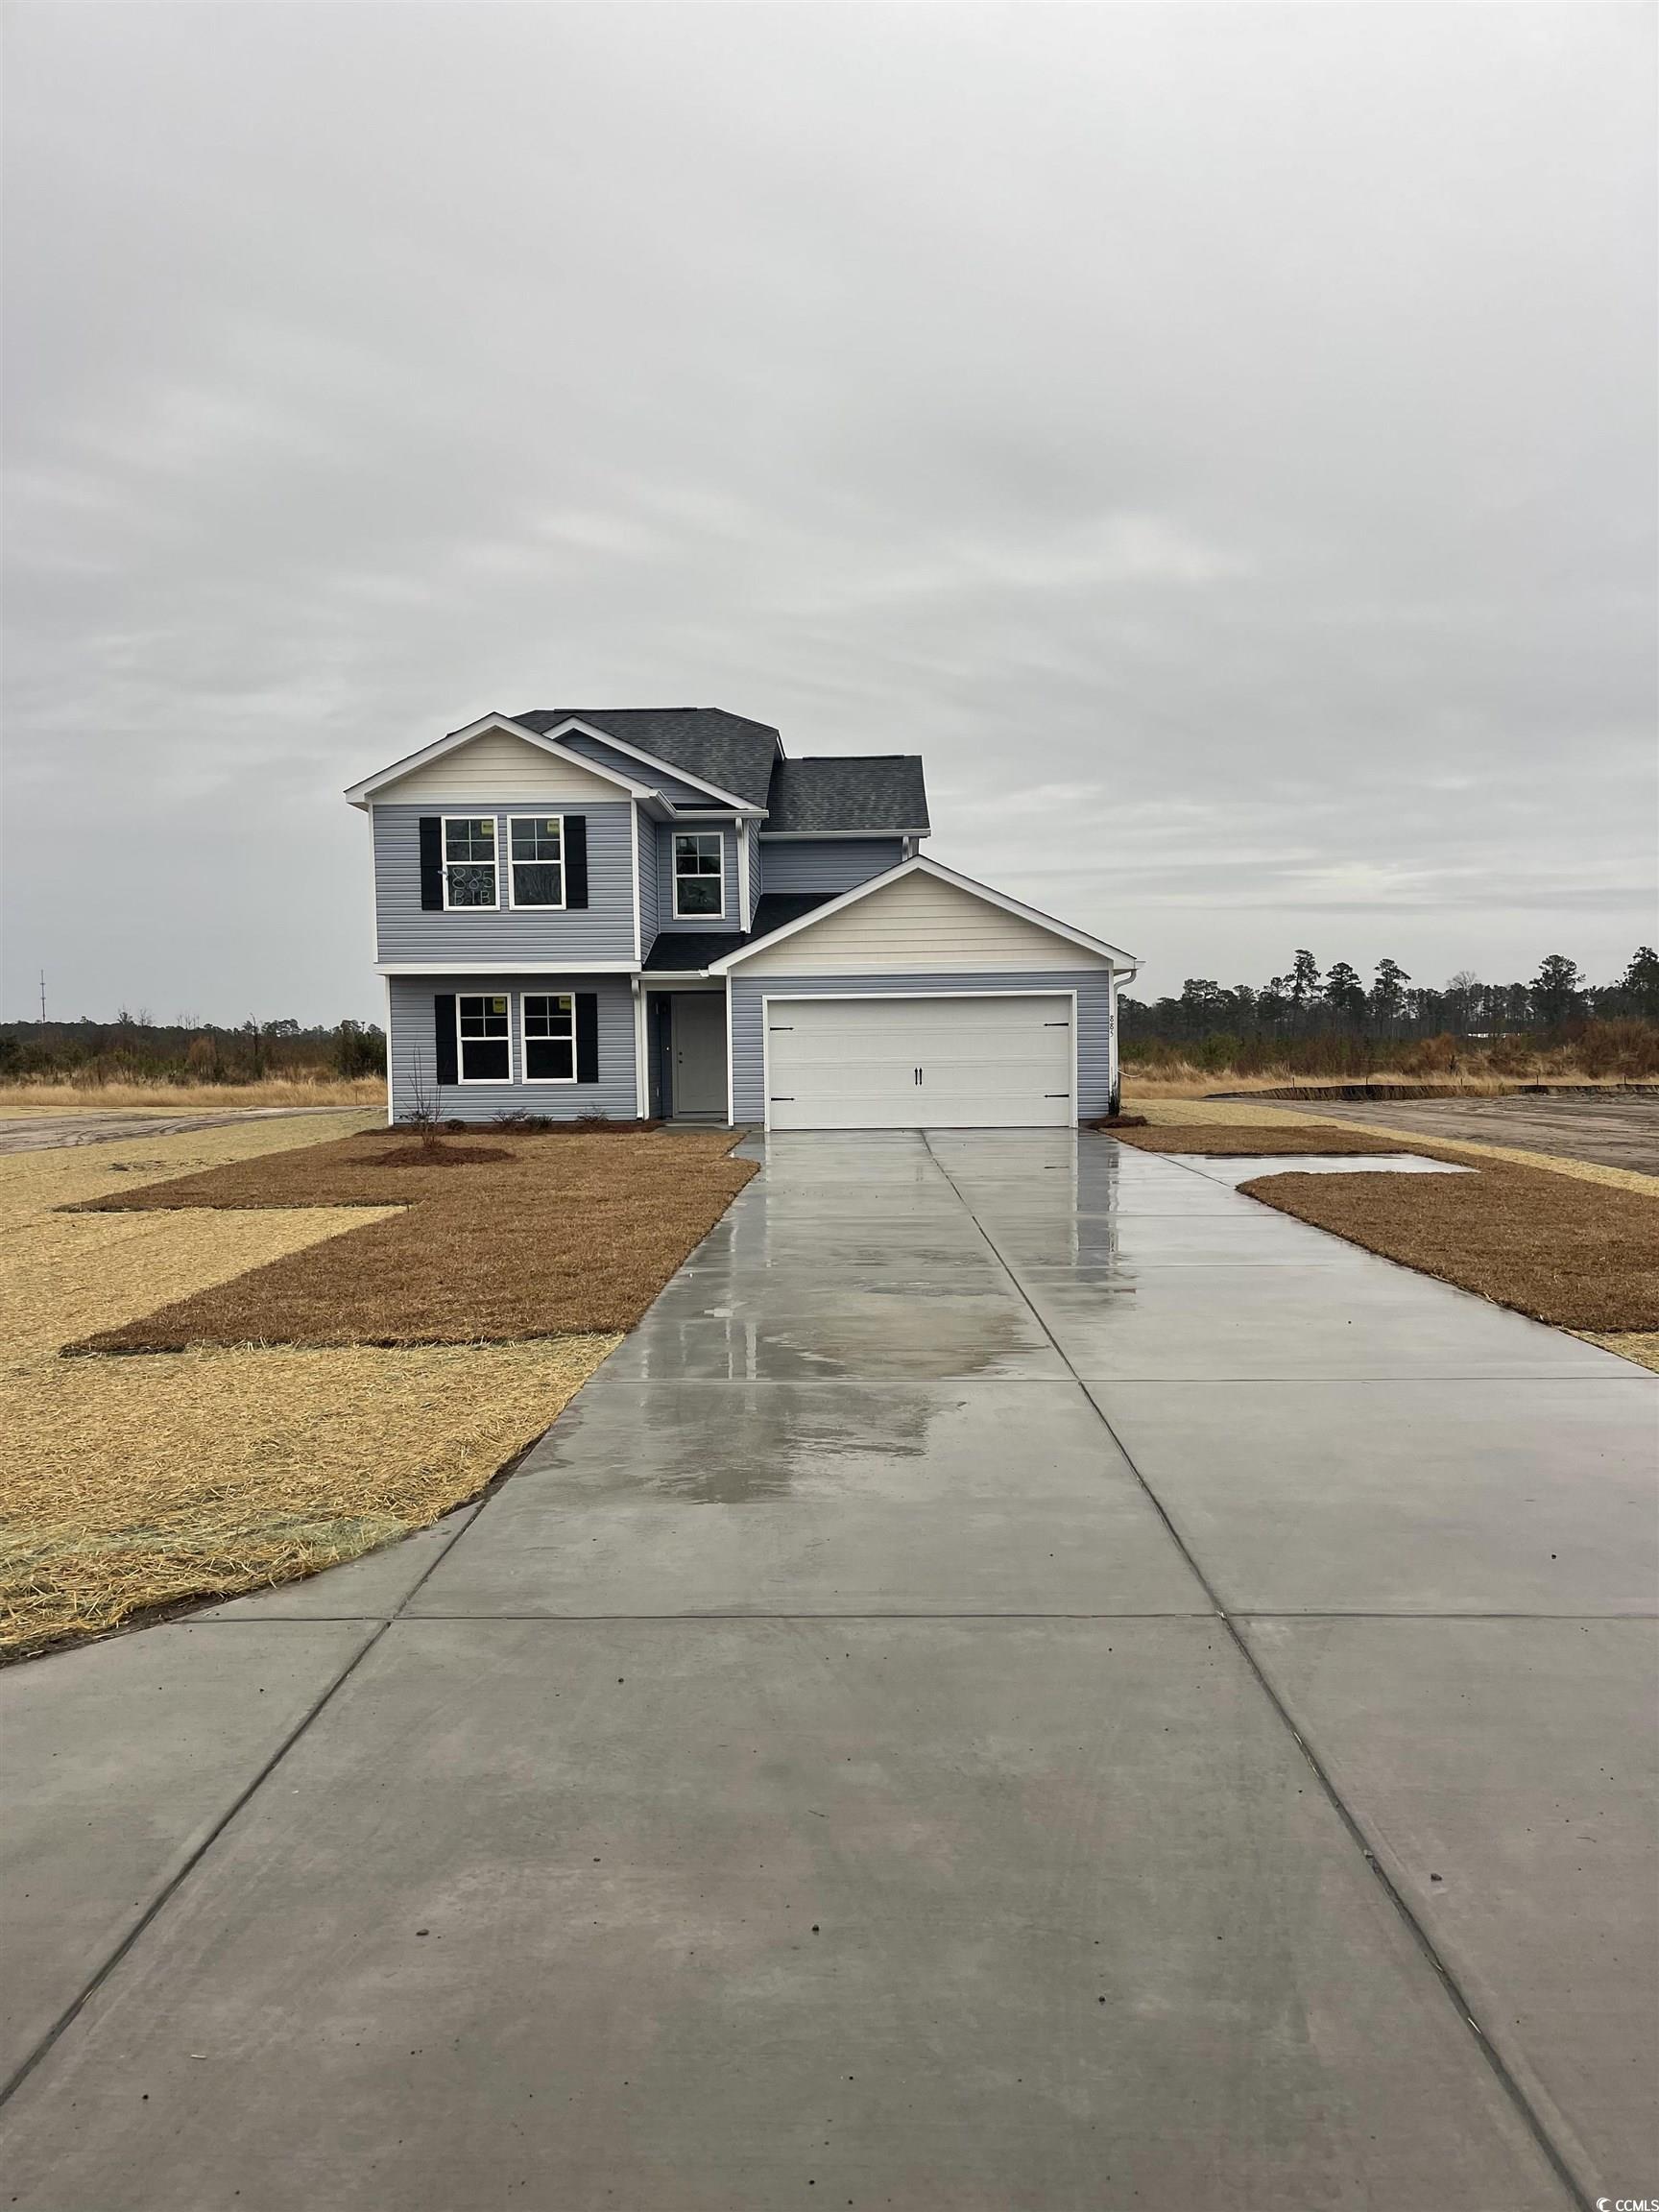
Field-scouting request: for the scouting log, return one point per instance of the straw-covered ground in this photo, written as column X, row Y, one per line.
column 130, row 1484
column 48, row 1094
column 1569, row 1241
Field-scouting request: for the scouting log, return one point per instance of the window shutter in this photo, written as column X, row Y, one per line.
column 445, row 1065
column 576, row 860
column 432, row 869
column 586, row 1037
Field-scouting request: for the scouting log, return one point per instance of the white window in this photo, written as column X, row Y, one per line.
column 536, row 859
column 549, row 1038
column 470, row 860
column 699, row 875
column 482, row 1041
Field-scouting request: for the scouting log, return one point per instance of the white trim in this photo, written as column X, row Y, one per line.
column 391, row 1103
column 536, row 905
column 641, row 1067
column 444, row 863
column 524, row 1074
column 482, row 962
column 840, row 997
column 359, row 794
column 924, row 865
column 651, row 761
column 819, row 836
column 719, row 837
column 730, row 1063
column 744, row 913
column 464, row 1081
column 639, row 890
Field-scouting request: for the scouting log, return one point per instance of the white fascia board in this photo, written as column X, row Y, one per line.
column 482, row 965
column 650, row 761
column 925, row 866
column 360, row 794
column 818, row 837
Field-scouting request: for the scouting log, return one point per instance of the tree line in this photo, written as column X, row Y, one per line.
column 1333, row 1017
column 134, row 1048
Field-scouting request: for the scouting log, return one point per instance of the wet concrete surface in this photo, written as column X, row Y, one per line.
column 1605, row 1126
column 856, row 1760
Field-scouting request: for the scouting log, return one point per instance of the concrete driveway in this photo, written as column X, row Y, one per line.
column 1029, row 1682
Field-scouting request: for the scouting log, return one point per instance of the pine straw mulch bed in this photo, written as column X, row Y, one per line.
column 1247, row 1141
column 544, row 1236
column 1581, row 1255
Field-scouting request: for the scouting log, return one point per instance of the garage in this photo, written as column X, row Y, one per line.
column 957, row 1060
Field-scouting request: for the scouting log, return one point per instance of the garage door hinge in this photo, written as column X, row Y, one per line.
column 777, row 1027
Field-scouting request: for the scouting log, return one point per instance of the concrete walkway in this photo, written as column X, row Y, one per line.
column 1029, row 1682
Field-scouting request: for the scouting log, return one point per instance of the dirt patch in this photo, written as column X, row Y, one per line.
column 1246, row 1141
column 1614, row 1129
column 1578, row 1254
column 555, row 1236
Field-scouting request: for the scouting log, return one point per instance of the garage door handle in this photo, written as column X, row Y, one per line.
column 917, row 1075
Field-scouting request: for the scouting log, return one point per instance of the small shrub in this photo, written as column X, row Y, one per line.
column 593, row 1117
column 455, row 1125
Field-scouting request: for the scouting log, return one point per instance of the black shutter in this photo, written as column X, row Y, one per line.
column 586, row 1037
column 576, row 860
column 445, row 1064
column 431, row 865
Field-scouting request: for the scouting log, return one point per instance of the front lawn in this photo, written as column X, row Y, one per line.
column 286, row 1439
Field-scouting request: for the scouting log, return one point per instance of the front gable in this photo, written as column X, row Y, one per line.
column 496, row 768
column 466, row 764
column 924, row 919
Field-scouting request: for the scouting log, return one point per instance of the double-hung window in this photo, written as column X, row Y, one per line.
column 536, row 858
column 549, row 1038
column 482, row 1040
column 699, row 875
column 470, row 860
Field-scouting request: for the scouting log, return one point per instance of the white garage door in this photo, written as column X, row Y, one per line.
column 962, row 1062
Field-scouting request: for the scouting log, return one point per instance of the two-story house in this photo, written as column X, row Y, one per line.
column 655, row 912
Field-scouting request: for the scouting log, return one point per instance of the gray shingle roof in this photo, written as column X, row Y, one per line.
column 685, row 950
column 882, row 793
column 727, row 750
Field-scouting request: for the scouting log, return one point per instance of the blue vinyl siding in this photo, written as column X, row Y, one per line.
column 826, row 863
column 667, row 918
column 602, row 930
column 414, row 1043
column 1093, row 986
column 649, row 918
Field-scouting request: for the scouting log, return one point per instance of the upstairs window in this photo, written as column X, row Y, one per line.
column 549, row 1038
column 470, row 860
column 483, row 1044
column 699, row 875
column 535, row 857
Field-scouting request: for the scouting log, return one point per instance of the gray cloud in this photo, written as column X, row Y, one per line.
column 1220, row 438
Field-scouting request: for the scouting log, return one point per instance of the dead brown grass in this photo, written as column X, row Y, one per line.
column 1245, row 1139
column 552, row 1234
column 43, row 1095
column 1578, row 1254
column 127, row 1484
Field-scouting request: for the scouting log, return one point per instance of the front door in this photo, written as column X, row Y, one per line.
column 699, row 1053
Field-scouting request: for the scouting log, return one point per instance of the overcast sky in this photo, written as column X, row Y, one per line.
column 1220, row 440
